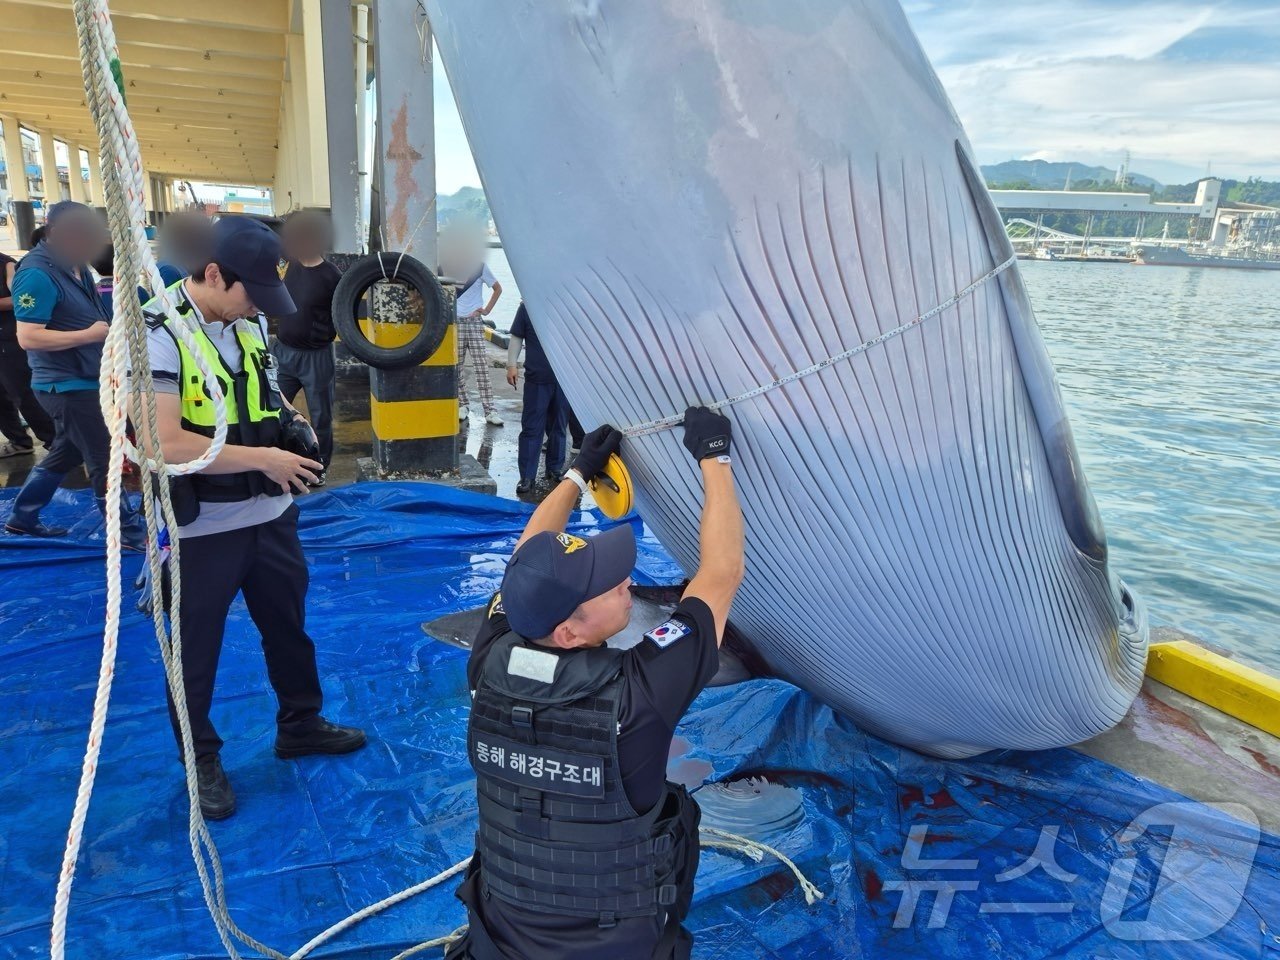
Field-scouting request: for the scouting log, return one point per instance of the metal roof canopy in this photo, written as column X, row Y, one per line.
column 204, row 81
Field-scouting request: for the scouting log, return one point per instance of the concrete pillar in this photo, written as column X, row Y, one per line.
column 414, row 412
column 148, row 197
column 75, row 173
column 97, row 195
column 316, row 103
column 22, row 220
column 362, row 117
column 304, row 184
column 406, row 128
column 49, row 171
column 285, row 185
column 340, row 118
column 15, row 167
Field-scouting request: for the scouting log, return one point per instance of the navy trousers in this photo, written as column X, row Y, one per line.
column 263, row 563
column 15, row 386
column 81, row 438
column 312, row 372
column 544, row 414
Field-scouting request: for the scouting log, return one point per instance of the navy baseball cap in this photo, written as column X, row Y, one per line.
column 251, row 250
column 60, row 209
column 552, row 574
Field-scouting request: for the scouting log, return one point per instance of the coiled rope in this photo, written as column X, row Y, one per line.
column 666, row 423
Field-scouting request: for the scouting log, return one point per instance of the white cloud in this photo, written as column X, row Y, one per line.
column 1089, row 81
column 1164, row 79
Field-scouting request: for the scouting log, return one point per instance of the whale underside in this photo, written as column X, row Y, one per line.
column 774, row 204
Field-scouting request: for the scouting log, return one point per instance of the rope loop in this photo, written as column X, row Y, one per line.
column 666, row 423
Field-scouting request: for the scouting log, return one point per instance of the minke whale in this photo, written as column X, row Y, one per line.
column 775, row 204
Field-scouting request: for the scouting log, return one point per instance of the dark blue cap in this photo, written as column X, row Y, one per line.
column 61, row 209
column 552, row 574
column 251, row 251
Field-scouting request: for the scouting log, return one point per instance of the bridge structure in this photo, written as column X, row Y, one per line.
column 1205, row 218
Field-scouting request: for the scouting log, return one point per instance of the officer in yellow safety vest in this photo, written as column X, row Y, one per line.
column 237, row 521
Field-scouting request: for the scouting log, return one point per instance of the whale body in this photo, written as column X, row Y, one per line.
column 700, row 198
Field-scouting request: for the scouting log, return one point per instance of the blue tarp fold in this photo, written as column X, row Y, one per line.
column 1017, row 855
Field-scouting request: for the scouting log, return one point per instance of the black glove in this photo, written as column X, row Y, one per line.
column 706, row 433
column 595, row 451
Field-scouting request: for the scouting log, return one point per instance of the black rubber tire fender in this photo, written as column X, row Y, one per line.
column 362, row 275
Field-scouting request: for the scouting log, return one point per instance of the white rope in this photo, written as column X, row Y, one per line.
column 437, row 942
column 125, row 353
column 708, row 837
column 125, row 350
column 666, row 423
column 378, row 907
column 122, row 181
column 413, row 234
column 723, row 840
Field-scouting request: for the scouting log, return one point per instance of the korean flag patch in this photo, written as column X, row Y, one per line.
column 668, row 633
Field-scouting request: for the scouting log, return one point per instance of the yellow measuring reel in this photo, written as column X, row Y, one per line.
column 613, row 490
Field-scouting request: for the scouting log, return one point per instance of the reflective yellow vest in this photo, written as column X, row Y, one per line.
column 249, row 391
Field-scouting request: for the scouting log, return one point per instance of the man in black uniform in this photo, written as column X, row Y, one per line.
column 15, row 379
column 304, row 339
column 584, row 850
column 543, row 410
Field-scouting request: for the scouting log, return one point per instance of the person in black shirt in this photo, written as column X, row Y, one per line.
column 303, row 348
column 15, row 379
column 584, row 850
column 543, row 409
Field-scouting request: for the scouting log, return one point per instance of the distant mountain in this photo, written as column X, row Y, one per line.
column 1043, row 175
column 467, row 202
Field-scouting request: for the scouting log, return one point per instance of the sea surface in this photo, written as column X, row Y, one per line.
column 1172, row 380
column 1171, row 376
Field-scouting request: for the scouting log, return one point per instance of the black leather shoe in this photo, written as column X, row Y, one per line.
column 320, row 736
column 39, row 530
column 217, row 799
column 523, row 487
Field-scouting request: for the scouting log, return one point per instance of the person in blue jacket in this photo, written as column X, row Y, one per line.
column 62, row 323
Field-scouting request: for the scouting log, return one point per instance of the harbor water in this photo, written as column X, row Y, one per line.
column 1172, row 380
column 1172, row 383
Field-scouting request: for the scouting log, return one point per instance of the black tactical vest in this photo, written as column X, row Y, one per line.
column 557, row 831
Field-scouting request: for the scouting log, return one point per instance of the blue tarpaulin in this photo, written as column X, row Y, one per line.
column 1017, row 855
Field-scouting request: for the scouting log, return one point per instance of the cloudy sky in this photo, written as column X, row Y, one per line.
column 1179, row 84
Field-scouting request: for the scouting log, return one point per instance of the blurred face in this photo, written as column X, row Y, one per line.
column 186, row 240
column 306, row 236
column 461, row 249
column 598, row 619
column 222, row 302
column 79, row 236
